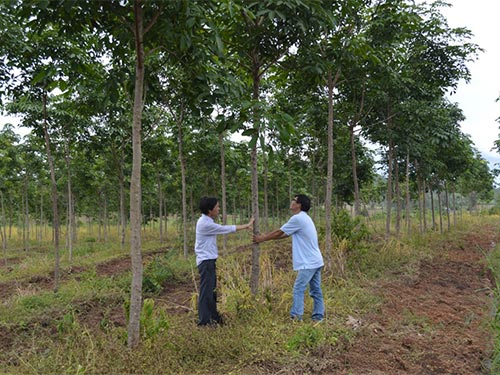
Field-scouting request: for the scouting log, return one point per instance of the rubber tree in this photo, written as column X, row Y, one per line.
column 49, row 61
column 9, row 168
column 257, row 36
column 421, row 58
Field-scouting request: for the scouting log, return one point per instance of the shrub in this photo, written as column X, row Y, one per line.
column 344, row 227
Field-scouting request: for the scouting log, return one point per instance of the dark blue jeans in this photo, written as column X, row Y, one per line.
column 207, row 301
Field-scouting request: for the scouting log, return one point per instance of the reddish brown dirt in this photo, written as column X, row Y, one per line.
column 40, row 282
column 432, row 323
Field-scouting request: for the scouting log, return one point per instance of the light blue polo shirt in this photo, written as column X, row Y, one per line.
column 207, row 230
column 305, row 248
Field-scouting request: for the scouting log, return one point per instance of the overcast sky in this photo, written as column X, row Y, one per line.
column 478, row 98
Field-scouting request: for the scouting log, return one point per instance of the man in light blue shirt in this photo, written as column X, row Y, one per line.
column 306, row 257
column 207, row 253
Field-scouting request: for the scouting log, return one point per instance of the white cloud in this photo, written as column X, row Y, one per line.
column 478, row 98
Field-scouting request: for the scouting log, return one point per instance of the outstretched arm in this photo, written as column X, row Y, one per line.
column 245, row 226
column 274, row 235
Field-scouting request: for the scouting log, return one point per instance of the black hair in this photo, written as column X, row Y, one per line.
column 305, row 202
column 207, row 204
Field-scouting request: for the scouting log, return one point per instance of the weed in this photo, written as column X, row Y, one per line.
column 66, row 323
column 153, row 322
column 167, row 267
column 305, row 338
column 494, row 265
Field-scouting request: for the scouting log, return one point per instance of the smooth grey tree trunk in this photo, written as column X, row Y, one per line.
column 133, row 337
column 223, row 187
column 55, row 209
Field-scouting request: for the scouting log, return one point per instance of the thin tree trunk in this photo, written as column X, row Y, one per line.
column 223, row 187
column 254, row 278
column 69, row 234
column 357, row 205
column 42, row 219
column 454, row 198
column 389, row 192
column 434, row 225
column 55, row 211
column 266, row 197
column 440, row 211
column 160, row 207
column 397, row 190
column 183, row 181
column 3, row 229
column 123, row 217
column 135, row 184
column 21, row 217
column 447, row 205
column 106, row 223
column 408, row 198
column 26, row 216
column 331, row 83
column 424, row 203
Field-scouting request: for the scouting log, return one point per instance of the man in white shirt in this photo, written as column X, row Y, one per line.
column 206, row 252
column 306, row 257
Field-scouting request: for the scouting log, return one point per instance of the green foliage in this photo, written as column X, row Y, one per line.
column 169, row 267
column 305, row 338
column 155, row 274
column 66, row 323
column 153, row 322
column 344, row 226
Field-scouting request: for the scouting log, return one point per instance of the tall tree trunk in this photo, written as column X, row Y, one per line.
column 357, row 205
column 70, row 224
column 223, row 186
column 440, row 211
column 26, row 215
column 42, row 219
column 135, row 183
column 397, row 190
column 3, row 229
column 434, row 225
column 106, row 223
column 123, row 217
column 160, row 206
column 254, row 278
column 454, row 198
column 266, row 195
column 447, row 205
column 408, row 198
column 424, row 203
column 182, row 161
column 331, row 83
column 390, row 162
column 55, row 211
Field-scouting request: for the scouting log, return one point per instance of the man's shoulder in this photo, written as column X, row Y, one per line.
column 302, row 215
column 204, row 220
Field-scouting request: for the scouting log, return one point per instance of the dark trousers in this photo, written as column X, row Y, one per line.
column 207, row 301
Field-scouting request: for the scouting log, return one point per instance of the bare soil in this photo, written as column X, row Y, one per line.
column 432, row 323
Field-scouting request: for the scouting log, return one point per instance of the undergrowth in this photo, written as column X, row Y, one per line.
column 76, row 331
column 494, row 265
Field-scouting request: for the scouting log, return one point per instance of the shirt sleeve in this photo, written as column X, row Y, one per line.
column 214, row 228
column 292, row 226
